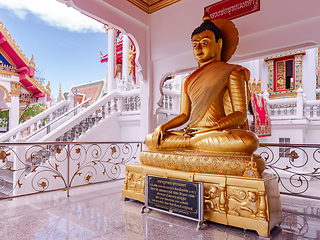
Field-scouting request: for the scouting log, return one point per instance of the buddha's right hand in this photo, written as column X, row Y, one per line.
column 158, row 136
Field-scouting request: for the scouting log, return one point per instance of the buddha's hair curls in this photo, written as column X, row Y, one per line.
column 207, row 25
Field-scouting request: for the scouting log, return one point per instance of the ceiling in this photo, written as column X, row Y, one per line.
column 150, row 6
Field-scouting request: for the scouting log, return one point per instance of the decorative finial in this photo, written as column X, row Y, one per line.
column 206, row 16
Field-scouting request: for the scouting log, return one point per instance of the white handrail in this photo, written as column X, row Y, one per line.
column 108, row 103
column 21, row 127
column 60, row 117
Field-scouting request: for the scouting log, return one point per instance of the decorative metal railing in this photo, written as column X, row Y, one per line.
column 27, row 168
column 36, row 167
column 296, row 166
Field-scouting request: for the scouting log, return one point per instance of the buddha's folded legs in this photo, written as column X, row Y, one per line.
column 172, row 140
column 235, row 141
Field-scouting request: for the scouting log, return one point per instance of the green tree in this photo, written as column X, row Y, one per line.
column 4, row 118
column 32, row 111
column 37, row 75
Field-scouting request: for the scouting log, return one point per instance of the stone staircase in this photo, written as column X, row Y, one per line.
column 69, row 130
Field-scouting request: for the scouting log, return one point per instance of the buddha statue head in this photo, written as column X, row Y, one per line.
column 214, row 40
column 207, row 42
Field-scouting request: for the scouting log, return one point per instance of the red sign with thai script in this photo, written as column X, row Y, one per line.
column 231, row 9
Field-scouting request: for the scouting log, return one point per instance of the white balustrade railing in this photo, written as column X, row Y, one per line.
column 113, row 102
column 312, row 109
column 280, row 108
column 57, row 121
column 40, row 121
column 171, row 100
column 293, row 108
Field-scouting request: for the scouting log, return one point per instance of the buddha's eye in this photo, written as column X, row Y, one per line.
column 204, row 43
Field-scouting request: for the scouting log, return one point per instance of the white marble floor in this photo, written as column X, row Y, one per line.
column 98, row 212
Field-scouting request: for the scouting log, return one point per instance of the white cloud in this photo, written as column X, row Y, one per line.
column 54, row 14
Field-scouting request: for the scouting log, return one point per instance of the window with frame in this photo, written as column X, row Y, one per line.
column 283, row 151
column 284, row 74
column 284, row 77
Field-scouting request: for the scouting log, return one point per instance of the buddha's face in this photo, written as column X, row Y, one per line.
column 205, row 47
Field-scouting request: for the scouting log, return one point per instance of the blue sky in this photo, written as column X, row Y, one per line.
column 65, row 44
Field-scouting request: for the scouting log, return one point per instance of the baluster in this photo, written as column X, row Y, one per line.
column 170, row 102
column 53, row 115
column 69, row 136
column 76, row 133
column 318, row 110
column 109, row 107
column 115, row 104
column 126, row 106
column 103, row 111
column 97, row 116
column 83, row 126
column 21, row 133
column 48, row 120
column 35, row 126
column 90, row 121
column 130, row 103
column 285, row 112
column 311, row 111
column 135, row 102
column 291, row 111
column 28, row 131
column 138, row 102
column 166, row 101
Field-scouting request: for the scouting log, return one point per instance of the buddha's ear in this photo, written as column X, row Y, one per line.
column 220, row 42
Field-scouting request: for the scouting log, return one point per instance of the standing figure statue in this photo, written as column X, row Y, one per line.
column 214, row 98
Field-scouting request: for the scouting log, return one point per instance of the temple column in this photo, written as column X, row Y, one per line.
column 111, row 81
column 125, row 58
column 14, row 109
column 14, row 113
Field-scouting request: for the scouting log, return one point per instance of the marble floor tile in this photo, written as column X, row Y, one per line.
column 98, row 212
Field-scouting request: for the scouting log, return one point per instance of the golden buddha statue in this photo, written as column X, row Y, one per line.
column 214, row 98
column 215, row 149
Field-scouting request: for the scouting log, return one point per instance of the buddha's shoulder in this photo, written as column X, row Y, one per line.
column 240, row 71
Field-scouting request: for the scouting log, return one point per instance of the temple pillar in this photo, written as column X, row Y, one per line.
column 14, row 113
column 125, row 58
column 111, row 81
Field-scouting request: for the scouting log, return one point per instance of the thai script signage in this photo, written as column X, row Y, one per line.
column 177, row 197
column 231, row 9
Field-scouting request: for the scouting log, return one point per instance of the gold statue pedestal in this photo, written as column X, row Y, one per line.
column 246, row 199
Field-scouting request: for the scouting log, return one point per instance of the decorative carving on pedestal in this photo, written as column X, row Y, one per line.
column 243, row 202
column 211, row 195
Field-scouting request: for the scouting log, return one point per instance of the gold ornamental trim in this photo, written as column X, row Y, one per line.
column 8, row 97
column 204, row 162
column 15, row 88
column 27, row 97
column 303, row 52
column 151, row 6
column 35, row 82
column 15, row 46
